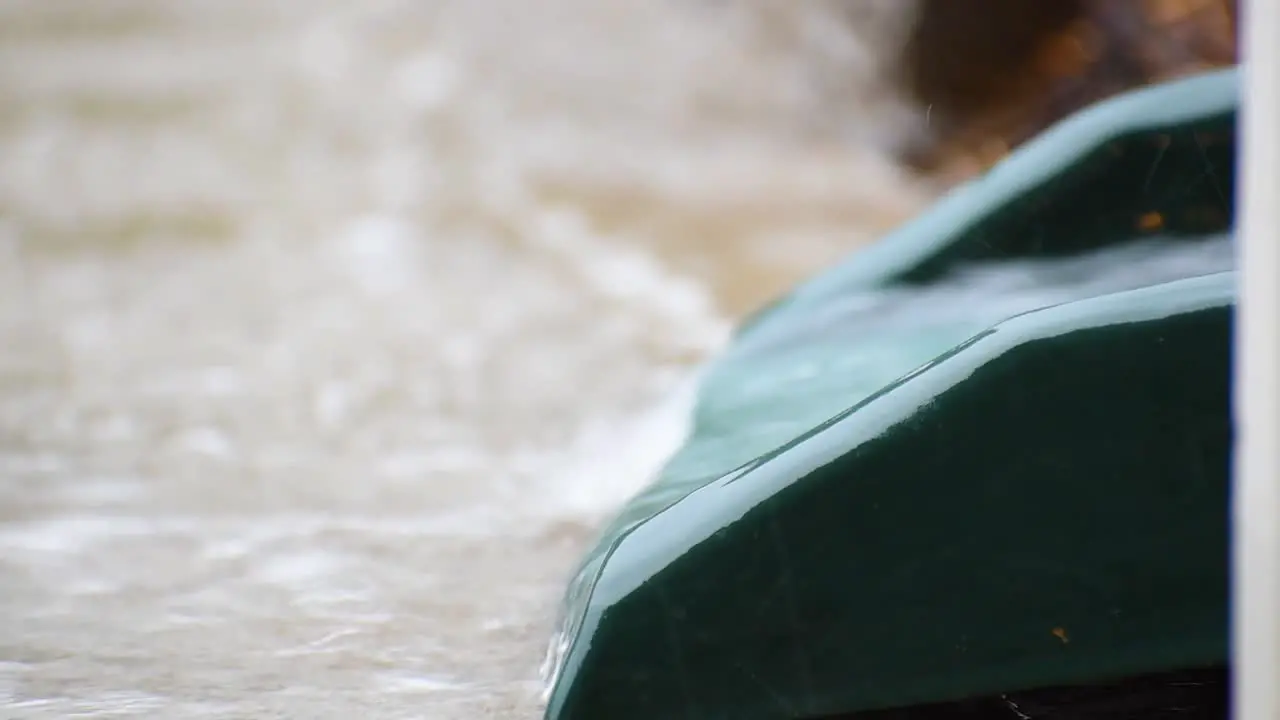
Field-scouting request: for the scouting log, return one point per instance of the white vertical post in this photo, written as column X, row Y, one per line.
column 1256, row 585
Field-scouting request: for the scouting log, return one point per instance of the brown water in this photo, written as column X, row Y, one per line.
column 330, row 330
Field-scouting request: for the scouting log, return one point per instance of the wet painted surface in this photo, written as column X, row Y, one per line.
column 1043, row 505
column 1102, row 179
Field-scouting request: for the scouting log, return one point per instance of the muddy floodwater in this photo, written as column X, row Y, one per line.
column 330, row 331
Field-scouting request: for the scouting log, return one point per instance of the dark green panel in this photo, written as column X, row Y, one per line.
column 1087, row 191
column 1045, row 504
column 1082, row 189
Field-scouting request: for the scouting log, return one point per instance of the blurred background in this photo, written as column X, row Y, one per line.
column 329, row 331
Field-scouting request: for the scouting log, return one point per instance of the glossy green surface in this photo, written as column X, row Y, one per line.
column 749, row 583
column 1042, row 505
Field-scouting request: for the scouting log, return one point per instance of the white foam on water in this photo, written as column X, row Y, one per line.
column 609, row 461
column 331, row 330
column 406, row 683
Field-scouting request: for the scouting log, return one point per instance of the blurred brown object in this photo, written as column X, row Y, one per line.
column 990, row 74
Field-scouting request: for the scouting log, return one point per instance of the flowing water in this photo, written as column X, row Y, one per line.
column 329, row 331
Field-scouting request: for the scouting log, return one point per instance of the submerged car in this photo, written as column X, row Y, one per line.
column 980, row 469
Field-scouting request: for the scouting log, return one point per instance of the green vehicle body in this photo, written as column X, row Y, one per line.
column 876, row 512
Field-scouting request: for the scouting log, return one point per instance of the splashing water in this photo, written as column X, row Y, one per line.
column 331, row 330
